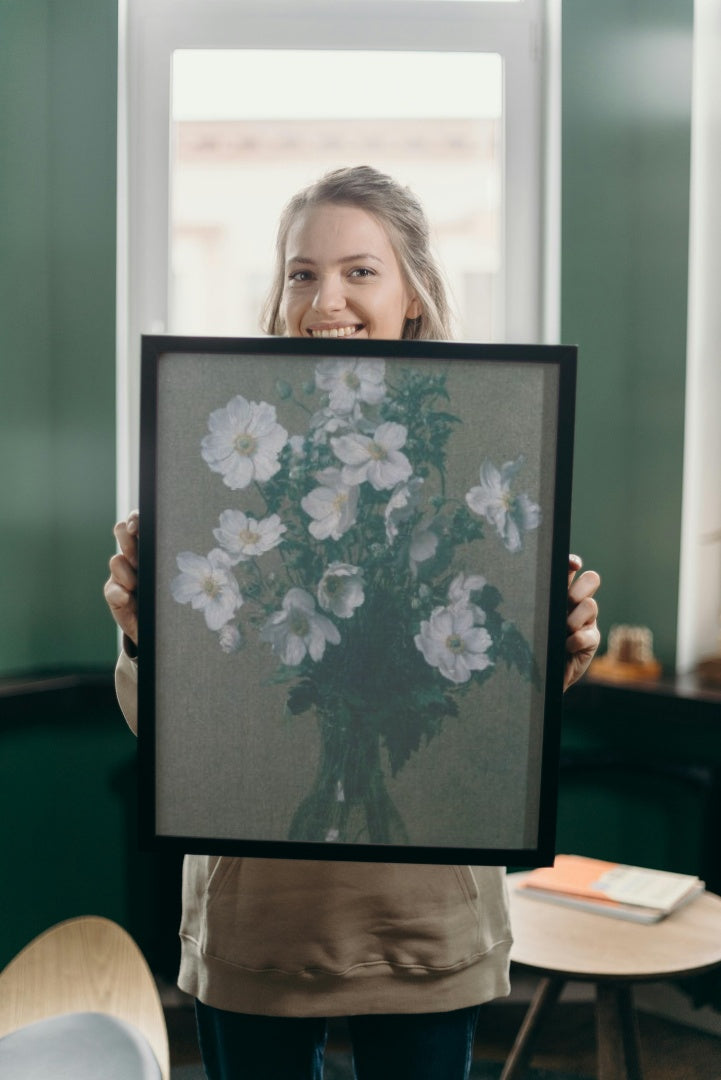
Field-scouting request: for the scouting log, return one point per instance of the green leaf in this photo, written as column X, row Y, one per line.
column 490, row 598
column 515, row 650
column 301, row 697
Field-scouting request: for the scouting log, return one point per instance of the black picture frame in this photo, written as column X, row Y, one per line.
column 387, row 686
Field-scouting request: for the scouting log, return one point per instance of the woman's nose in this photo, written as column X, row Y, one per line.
column 329, row 295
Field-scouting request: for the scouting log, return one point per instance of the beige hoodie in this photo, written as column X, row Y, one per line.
column 285, row 937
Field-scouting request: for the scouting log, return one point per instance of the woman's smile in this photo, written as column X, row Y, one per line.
column 334, row 331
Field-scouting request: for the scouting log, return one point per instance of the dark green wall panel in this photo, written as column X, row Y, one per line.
column 25, row 397
column 69, row 805
column 69, row 844
column 626, row 146
column 58, row 77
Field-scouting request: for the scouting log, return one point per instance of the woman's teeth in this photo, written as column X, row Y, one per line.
column 337, row 331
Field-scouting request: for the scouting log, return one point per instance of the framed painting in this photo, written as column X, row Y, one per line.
column 352, row 597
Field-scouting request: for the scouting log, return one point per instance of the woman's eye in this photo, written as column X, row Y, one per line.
column 362, row 272
column 300, row 276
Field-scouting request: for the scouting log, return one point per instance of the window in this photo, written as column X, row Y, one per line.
column 236, row 161
column 227, row 107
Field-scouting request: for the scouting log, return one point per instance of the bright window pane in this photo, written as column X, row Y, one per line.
column 467, row 1
column 252, row 127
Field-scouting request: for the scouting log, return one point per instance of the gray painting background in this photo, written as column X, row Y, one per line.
column 230, row 763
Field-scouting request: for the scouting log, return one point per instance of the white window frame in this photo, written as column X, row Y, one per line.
column 699, row 597
column 526, row 34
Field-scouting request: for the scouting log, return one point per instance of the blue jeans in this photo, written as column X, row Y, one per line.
column 414, row 1046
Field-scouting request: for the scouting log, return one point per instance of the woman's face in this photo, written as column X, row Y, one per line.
column 342, row 277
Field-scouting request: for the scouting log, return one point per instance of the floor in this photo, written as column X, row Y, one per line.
column 669, row 1051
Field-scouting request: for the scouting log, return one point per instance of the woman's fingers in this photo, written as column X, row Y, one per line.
column 575, row 562
column 126, row 534
column 123, row 572
column 583, row 587
column 582, row 633
column 121, row 587
column 123, row 608
column 584, row 612
column 584, row 641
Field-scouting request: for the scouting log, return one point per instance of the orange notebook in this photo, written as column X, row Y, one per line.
column 632, row 892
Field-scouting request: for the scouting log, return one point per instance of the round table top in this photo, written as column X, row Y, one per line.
column 559, row 940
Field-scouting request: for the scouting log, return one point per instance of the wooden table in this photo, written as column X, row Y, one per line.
column 563, row 944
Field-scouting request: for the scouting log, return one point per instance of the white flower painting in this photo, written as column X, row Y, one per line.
column 340, row 590
column 450, row 641
column 402, row 505
column 243, row 537
column 299, row 629
column 345, row 558
column 349, row 383
column 332, row 505
column 377, row 459
column 461, row 591
column 208, row 585
column 230, row 638
column 511, row 515
column 244, row 442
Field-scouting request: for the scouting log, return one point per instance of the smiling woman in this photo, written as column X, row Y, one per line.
column 353, row 259
column 337, row 295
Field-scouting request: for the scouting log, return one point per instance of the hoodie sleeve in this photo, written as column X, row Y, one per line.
column 126, row 688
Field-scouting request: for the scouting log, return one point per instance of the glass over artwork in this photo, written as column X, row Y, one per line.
column 347, row 565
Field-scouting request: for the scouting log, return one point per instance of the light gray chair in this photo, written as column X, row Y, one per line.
column 79, row 1002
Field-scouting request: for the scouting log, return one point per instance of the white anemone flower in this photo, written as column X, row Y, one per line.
column 450, row 642
column 207, row 584
column 401, row 506
column 298, row 629
column 377, row 459
column 349, row 382
column 340, row 590
column 243, row 537
column 333, row 506
column 512, row 515
column 244, row 442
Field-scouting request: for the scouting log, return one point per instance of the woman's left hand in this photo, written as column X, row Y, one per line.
column 583, row 636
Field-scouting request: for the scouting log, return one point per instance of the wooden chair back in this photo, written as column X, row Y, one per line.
column 87, row 964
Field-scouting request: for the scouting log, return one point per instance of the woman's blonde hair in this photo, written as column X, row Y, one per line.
column 403, row 217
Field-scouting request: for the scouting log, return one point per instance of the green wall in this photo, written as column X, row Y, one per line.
column 626, row 146
column 58, row 72
column 67, row 761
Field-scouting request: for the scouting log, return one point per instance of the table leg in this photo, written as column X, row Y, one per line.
column 617, row 1033
column 545, row 997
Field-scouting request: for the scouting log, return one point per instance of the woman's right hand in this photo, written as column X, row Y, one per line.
column 121, row 587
